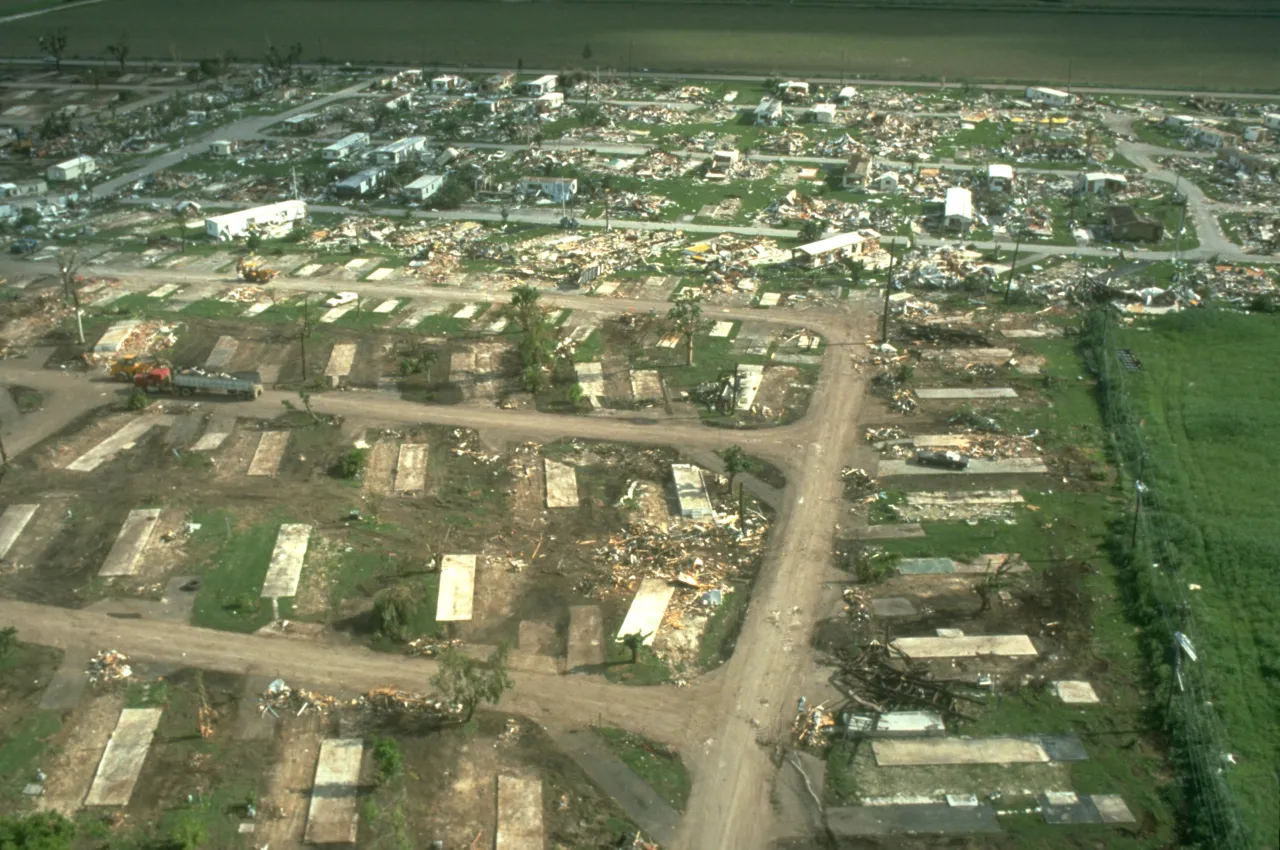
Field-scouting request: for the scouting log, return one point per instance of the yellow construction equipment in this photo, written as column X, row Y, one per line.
column 252, row 270
column 127, row 367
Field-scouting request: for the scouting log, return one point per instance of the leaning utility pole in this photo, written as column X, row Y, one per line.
column 302, row 337
column 888, row 290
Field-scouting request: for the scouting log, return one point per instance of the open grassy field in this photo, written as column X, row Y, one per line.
column 1200, row 422
column 1124, row 50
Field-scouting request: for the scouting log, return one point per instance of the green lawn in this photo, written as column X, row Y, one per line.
column 233, row 560
column 1201, row 424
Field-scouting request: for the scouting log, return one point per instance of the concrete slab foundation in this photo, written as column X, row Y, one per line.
column 457, row 588
column 134, row 536
column 122, row 760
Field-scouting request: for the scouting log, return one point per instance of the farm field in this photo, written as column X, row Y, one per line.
column 1121, row 50
column 1204, row 419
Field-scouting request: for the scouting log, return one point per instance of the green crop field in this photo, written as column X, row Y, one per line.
column 1202, row 422
column 1136, row 50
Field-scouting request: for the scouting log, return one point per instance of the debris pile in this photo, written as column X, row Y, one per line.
column 109, row 666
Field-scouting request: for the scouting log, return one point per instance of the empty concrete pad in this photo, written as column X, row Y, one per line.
column 892, row 606
column 925, row 566
column 949, row 393
column 647, row 609
column 210, row 440
column 12, row 521
column 1112, row 808
column 909, row 752
column 266, row 460
column 116, row 443
column 69, row 682
column 224, row 350
column 646, row 384
column 286, row 561
column 457, row 588
column 586, row 637
column 340, row 360
column 519, row 813
column 591, row 378
column 1076, row 692
column 919, row 818
column 969, row 646
column 1067, row 747
column 411, row 468
column 562, row 484
column 892, row 531
column 332, row 818
column 977, row 466
column 333, row 314
column 122, row 560
column 123, row 758
column 1064, row 807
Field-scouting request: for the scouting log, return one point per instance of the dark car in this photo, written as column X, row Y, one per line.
column 23, row 246
column 942, row 460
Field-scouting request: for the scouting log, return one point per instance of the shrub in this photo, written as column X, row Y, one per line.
column 349, row 464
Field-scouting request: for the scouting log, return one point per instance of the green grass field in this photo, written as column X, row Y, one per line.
column 922, row 44
column 1203, row 413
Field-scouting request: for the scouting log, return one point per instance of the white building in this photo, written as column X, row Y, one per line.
column 221, row 147
column 957, row 213
column 887, row 182
column 446, row 83
column 540, row 86
column 768, row 110
column 793, row 89
column 236, row 224
column 1180, row 120
column 403, row 100
column 999, row 177
column 1098, row 182
column 722, row 164
column 549, row 102
column 558, row 189
column 823, row 113
column 691, row 491
column 1212, row 137
column 424, row 187
column 399, row 150
column 846, row 96
column 345, row 146
column 1049, row 97
column 1271, row 120
column 72, row 168
column 833, row 248
column 23, row 188
column 1256, row 133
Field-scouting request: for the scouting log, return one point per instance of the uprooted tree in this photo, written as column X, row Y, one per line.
column 394, row 609
column 119, row 50
column 686, row 315
column 468, row 681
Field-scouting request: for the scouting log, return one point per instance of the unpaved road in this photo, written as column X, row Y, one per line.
column 724, row 723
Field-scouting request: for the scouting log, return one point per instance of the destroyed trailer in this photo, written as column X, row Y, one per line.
column 942, row 459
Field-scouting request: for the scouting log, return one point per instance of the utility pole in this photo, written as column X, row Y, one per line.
column 1177, row 245
column 1137, row 508
column 1009, row 286
column 631, row 45
column 888, row 290
column 294, row 171
column 1068, row 75
column 306, row 328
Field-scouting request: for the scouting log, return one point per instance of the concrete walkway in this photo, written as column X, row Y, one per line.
column 650, row 812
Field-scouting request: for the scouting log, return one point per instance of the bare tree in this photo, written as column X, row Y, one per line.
column 69, row 263
column 54, row 44
column 686, row 315
column 119, row 50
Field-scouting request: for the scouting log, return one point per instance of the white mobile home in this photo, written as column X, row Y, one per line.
column 558, row 189
column 549, row 102
column 1049, row 97
column 72, row 168
column 345, row 146
column 846, row 95
column 399, row 150
column 221, row 147
column 957, row 213
column 999, row 177
column 1098, row 182
column 823, row 113
column 424, row 187
column 768, row 110
column 235, row 224
column 540, row 86
column 833, row 248
column 446, row 83
column 793, row 90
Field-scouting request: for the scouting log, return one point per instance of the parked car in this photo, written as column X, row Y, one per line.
column 23, row 246
column 942, row 460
